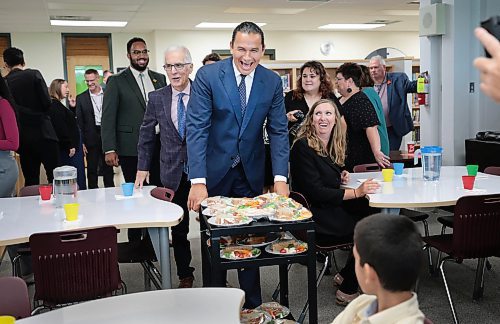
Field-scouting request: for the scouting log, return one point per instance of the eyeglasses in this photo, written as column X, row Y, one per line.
column 136, row 52
column 177, row 66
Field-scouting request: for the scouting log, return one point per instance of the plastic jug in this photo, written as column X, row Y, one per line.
column 431, row 161
column 65, row 185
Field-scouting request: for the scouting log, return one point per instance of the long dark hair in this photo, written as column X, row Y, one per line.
column 5, row 93
column 326, row 85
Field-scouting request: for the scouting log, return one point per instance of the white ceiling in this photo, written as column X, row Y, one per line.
column 149, row 15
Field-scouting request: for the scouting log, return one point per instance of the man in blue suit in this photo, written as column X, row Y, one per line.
column 167, row 109
column 393, row 89
column 230, row 100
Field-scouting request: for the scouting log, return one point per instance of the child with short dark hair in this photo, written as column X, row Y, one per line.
column 388, row 254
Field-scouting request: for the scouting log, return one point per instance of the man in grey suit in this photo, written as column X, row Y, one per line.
column 123, row 109
column 88, row 113
column 167, row 109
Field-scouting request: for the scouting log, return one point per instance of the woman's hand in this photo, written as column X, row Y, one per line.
column 344, row 177
column 382, row 159
column 367, row 187
column 72, row 152
column 290, row 117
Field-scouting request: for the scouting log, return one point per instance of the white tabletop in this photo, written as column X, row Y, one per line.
column 410, row 189
column 195, row 305
column 22, row 216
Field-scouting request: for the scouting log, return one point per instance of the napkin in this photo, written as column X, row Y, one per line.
column 363, row 180
column 137, row 194
column 45, row 202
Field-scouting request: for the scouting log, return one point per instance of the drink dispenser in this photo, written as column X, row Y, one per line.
column 431, row 161
column 65, row 185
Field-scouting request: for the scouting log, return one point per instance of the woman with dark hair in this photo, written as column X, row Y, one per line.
column 363, row 141
column 317, row 170
column 64, row 121
column 9, row 142
column 313, row 84
column 366, row 84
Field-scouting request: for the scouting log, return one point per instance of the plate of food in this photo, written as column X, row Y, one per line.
column 287, row 247
column 216, row 200
column 255, row 212
column 239, row 252
column 258, row 240
column 214, row 210
column 274, row 309
column 224, row 241
column 254, row 316
column 288, row 214
column 229, row 220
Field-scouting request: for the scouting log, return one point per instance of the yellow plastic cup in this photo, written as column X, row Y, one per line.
column 6, row 319
column 71, row 211
column 388, row 175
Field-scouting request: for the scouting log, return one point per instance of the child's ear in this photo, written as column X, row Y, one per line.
column 371, row 276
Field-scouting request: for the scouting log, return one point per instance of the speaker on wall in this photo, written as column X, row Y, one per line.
column 432, row 20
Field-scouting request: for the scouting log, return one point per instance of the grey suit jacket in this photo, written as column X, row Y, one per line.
column 123, row 111
column 173, row 155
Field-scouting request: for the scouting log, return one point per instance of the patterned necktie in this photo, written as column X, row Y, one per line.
column 141, row 76
column 181, row 116
column 243, row 95
column 243, row 103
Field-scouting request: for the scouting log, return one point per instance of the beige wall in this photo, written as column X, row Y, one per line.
column 43, row 51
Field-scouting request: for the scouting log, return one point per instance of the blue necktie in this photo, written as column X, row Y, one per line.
column 181, row 116
column 242, row 89
column 243, row 95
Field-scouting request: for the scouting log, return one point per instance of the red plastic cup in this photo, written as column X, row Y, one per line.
column 45, row 191
column 468, row 182
column 411, row 148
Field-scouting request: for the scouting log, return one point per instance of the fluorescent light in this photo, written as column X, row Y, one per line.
column 222, row 25
column 351, row 26
column 88, row 23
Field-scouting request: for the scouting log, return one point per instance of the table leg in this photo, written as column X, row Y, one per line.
column 311, row 277
column 283, row 271
column 479, row 281
column 161, row 245
column 392, row 211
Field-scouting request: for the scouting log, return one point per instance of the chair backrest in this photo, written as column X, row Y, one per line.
column 163, row 193
column 370, row 167
column 428, row 321
column 14, row 298
column 494, row 170
column 75, row 266
column 298, row 197
column 29, row 191
column 476, row 226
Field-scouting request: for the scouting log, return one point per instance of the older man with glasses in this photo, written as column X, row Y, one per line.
column 167, row 109
column 124, row 103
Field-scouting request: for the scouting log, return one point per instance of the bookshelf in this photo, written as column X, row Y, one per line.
column 415, row 108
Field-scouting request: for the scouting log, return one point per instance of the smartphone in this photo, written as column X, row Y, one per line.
column 492, row 25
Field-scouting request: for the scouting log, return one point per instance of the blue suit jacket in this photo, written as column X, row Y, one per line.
column 173, row 153
column 398, row 86
column 217, row 132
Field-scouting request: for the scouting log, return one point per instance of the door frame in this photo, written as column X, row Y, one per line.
column 85, row 35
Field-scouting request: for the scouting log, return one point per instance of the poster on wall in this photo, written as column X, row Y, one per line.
column 81, row 86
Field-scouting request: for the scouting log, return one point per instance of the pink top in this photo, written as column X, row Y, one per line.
column 9, row 134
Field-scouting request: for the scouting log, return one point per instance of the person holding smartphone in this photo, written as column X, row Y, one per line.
column 489, row 68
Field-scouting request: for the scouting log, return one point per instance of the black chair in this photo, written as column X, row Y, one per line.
column 328, row 251
column 476, row 224
column 142, row 251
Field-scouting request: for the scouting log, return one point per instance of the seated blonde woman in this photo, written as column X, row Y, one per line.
column 317, row 161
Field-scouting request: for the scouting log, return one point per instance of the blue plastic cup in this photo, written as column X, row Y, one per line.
column 128, row 189
column 398, row 168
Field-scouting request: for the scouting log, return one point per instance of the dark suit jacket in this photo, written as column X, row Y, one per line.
column 86, row 119
column 173, row 153
column 65, row 126
column 318, row 179
column 398, row 86
column 30, row 93
column 123, row 111
column 217, row 132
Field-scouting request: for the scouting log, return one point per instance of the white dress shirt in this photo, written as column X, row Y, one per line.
column 96, row 100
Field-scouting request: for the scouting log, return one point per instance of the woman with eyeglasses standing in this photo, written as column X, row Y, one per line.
column 64, row 121
column 363, row 141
